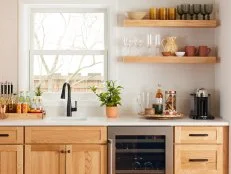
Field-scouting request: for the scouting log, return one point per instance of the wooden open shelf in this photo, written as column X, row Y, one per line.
column 170, row 59
column 172, row 23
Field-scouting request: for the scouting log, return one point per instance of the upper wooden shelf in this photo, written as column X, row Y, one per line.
column 170, row 59
column 172, row 23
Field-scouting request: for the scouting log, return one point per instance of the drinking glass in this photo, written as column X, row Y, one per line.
column 185, row 9
column 203, row 12
column 148, row 166
column 139, row 43
column 171, row 13
column 191, row 12
column 143, row 101
column 125, row 46
column 157, row 44
column 197, row 10
column 149, row 44
column 180, row 12
column 130, row 45
column 208, row 10
column 163, row 14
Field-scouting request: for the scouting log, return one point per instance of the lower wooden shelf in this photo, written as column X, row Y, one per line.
column 170, row 60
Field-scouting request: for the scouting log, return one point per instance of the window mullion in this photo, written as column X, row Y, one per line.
column 68, row 52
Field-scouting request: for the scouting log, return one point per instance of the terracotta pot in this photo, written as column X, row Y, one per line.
column 112, row 112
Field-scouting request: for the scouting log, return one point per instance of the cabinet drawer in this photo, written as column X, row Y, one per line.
column 11, row 135
column 198, row 159
column 65, row 135
column 199, row 135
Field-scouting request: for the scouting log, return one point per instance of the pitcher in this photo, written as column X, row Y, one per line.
column 169, row 45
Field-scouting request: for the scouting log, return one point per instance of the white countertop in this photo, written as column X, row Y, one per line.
column 132, row 120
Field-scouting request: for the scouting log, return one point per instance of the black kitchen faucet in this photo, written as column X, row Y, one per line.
column 69, row 106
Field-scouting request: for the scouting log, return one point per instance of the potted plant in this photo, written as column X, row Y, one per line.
column 38, row 97
column 110, row 98
column 38, row 91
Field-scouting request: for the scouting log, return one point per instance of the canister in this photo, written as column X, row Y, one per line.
column 170, row 101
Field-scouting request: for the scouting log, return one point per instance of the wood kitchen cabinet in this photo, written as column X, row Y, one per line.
column 90, row 159
column 44, row 159
column 200, row 150
column 11, row 159
column 11, row 150
column 65, row 159
column 65, row 150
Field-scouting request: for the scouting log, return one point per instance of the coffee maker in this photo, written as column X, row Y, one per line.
column 200, row 107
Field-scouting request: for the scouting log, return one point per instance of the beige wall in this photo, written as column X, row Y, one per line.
column 8, row 40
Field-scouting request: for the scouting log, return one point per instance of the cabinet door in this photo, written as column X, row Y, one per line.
column 45, row 159
column 86, row 159
column 11, row 159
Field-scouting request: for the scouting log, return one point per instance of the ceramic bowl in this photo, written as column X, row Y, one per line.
column 166, row 53
column 137, row 15
column 180, row 54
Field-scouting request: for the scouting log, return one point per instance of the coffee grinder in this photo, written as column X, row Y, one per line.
column 201, row 105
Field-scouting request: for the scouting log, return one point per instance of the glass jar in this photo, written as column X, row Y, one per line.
column 170, row 102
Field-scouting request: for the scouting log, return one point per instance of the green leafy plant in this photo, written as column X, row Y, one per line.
column 111, row 97
column 38, row 91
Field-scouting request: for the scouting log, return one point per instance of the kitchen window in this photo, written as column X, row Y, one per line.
column 68, row 45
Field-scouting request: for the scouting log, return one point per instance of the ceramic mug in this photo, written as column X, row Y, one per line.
column 204, row 51
column 190, row 51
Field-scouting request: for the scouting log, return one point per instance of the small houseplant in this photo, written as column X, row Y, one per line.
column 110, row 98
column 38, row 91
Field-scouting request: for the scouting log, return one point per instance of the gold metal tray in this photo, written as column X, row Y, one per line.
column 162, row 117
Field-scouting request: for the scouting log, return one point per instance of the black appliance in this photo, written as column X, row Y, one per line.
column 201, row 105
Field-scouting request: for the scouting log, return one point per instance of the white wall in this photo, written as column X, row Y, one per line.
column 223, row 70
column 145, row 77
column 134, row 77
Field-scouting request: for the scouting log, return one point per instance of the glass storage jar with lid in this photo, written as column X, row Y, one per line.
column 170, row 102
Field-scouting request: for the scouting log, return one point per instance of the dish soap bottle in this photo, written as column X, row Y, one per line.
column 158, row 105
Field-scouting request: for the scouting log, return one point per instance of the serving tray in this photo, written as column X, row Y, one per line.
column 162, row 117
column 27, row 116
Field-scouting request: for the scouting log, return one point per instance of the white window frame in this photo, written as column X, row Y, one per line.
column 104, row 52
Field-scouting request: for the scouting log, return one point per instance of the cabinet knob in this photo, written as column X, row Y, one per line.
column 62, row 151
column 68, row 151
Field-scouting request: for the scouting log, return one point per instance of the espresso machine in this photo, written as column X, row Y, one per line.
column 200, row 106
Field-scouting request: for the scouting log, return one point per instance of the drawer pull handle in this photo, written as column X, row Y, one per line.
column 198, row 135
column 4, row 135
column 198, row 160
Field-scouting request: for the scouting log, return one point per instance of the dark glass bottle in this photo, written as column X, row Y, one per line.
column 158, row 105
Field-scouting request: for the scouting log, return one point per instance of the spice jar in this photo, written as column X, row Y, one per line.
column 170, row 102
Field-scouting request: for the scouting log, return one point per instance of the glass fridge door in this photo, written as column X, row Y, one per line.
column 140, row 154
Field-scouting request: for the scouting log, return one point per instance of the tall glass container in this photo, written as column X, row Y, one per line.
column 170, row 102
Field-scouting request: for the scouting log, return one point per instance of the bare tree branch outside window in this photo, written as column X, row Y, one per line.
column 68, row 47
